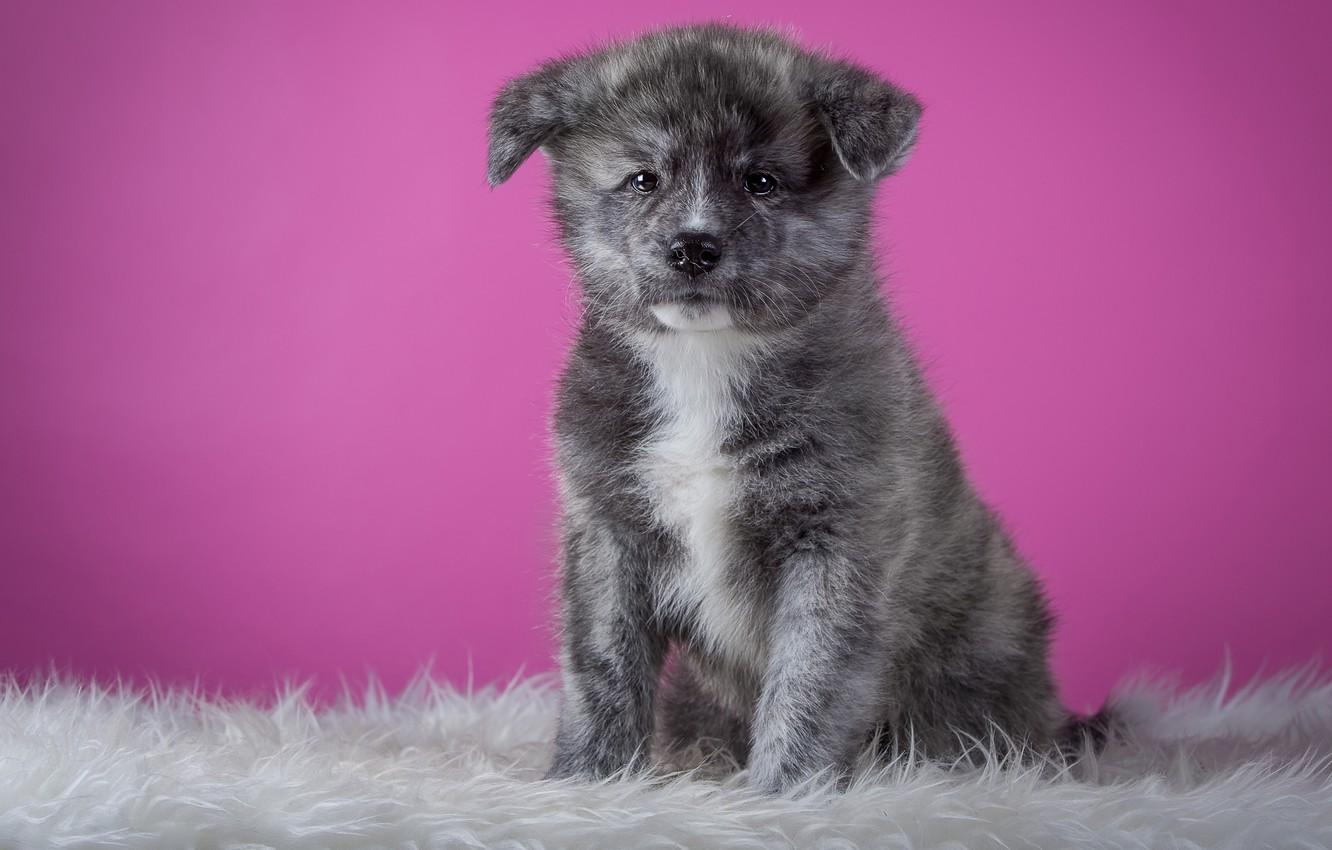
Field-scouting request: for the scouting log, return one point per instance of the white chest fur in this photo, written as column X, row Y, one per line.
column 691, row 484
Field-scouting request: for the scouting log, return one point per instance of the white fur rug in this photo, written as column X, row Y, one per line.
column 435, row 767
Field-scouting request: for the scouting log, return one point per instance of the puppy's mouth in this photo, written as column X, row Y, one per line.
column 672, row 292
column 695, row 316
column 690, row 306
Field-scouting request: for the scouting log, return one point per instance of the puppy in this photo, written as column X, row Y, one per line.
column 752, row 470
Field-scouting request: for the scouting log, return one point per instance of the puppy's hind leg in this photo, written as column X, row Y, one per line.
column 695, row 728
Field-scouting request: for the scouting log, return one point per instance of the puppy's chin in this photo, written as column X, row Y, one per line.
column 693, row 317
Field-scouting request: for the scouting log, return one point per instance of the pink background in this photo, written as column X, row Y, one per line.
column 275, row 365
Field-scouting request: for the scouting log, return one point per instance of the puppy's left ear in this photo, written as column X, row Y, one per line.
column 527, row 112
column 872, row 122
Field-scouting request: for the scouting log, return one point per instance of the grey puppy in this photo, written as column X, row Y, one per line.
column 752, row 470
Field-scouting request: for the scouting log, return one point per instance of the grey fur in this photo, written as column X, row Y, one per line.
column 864, row 586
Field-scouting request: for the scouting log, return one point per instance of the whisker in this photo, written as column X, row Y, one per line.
column 743, row 223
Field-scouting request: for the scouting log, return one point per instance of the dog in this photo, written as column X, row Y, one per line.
column 769, row 545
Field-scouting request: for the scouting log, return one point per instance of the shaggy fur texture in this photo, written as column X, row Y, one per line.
column 436, row 767
column 754, row 475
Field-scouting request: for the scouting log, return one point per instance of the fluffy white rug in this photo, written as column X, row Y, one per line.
column 436, row 767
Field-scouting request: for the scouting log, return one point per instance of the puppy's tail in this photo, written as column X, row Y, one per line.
column 1090, row 733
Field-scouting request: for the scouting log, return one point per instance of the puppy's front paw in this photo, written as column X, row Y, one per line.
column 578, row 765
column 593, row 763
column 782, row 779
column 770, row 778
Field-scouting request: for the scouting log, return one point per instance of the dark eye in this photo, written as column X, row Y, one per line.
column 759, row 184
column 643, row 182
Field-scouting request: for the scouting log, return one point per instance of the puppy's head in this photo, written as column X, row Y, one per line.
column 709, row 176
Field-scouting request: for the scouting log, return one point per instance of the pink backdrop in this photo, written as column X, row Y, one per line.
column 275, row 365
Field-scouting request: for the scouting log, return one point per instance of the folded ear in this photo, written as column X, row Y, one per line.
column 871, row 121
column 527, row 112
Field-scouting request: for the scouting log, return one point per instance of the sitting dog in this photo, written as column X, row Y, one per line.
column 752, row 470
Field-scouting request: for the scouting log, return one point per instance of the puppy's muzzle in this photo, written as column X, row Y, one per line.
column 695, row 253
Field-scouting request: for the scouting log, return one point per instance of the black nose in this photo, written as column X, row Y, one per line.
column 695, row 253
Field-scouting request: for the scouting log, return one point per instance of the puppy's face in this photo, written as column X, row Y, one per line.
column 706, row 177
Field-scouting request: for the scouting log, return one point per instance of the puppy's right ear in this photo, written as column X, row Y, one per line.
column 526, row 113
